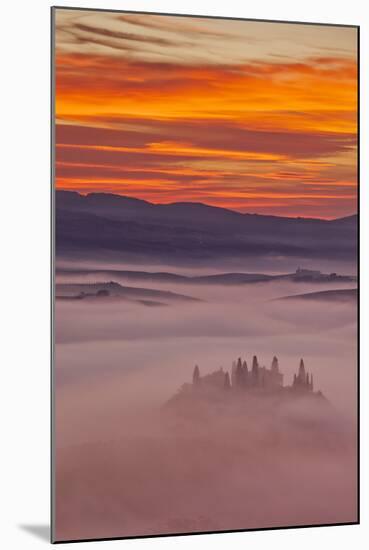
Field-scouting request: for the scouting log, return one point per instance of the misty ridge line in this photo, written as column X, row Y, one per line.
column 342, row 294
column 95, row 289
column 185, row 232
column 229, row 278
column 116, row 290
column 94, row 197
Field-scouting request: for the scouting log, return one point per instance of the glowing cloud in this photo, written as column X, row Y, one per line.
column 149, row 107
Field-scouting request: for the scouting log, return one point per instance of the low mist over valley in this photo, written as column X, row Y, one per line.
column 129, row 465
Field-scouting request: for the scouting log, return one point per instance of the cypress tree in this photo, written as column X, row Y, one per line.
column 275, row 366
column 302, row 371
column 255, row 371
column 239, row 374
column 196, row 375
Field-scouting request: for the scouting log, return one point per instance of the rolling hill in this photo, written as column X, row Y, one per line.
column 189, row 232
column 113, row 289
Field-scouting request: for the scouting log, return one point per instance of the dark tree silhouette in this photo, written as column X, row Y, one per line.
column 239, row 374
column 302, row 375
column 275, row 366
column 196, row 375
column 255, row 371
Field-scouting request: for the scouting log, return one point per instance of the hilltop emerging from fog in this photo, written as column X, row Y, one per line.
column 245, row 384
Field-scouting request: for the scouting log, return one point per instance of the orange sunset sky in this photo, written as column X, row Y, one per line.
column 252, row 116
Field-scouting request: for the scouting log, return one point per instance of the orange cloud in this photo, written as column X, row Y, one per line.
column 269, row 133
column 298, row 95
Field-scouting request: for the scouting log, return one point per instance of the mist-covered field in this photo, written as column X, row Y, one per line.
column 126, row 465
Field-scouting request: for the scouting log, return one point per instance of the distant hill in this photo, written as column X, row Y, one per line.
column 348, row 221
column 112, row 289
column 231, row 279
column 187, row 232
column 339, row 295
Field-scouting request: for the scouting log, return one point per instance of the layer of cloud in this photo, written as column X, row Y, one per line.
column 271, row 134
